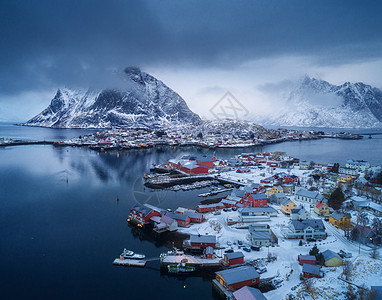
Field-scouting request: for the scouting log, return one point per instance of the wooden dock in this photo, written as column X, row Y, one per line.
column 190, row 260
column 221, row 290
column 129, row 262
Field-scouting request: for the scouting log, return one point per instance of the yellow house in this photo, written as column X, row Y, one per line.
column 340, row 220
column 274, row 190
column 287, row 205
column 332, row 259
column 345, row 178
column 322, row 209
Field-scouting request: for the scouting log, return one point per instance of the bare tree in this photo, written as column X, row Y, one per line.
column 376, row 225
column 362, row 218
column 374, row 253
column 308, row 287
column 350, row 293
column 347, row 269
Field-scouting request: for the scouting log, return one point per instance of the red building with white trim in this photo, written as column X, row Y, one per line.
column 234, row 258
column 255, row 200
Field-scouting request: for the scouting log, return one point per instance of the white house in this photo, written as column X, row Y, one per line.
column 308, row 196
column 304, row 229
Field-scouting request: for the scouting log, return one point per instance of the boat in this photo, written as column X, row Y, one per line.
column 180, row 268
column 128, row 254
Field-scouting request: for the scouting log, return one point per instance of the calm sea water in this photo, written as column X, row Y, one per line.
column 61, row 225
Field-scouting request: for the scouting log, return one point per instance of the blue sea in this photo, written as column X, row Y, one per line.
column 61, row 225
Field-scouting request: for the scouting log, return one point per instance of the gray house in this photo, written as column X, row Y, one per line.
column 304, row 229
column 308, row 196
column 299, row 213
column 277, row 198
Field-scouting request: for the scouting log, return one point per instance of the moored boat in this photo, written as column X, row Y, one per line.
column 180, row 268
column 128, row 254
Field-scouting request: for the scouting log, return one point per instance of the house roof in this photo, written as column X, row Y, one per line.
column 338, row 216
column 308, row 194
column 210, row 205
column 311, row 269
column 261, row 235
column 248, row 293
column 208, row 239
column 249, row 209
column 167, row 219
column 279, row 195
column 175, row 216
column 302, row 224
column 259, row 196
column 194, row 215
column 144, row 210
column 306, row 257
column 234, row 255
column 239, row 274
column 285, row 201
column 329, row 254
column 238, row 193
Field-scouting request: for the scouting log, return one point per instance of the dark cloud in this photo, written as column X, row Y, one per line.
column 66, row 42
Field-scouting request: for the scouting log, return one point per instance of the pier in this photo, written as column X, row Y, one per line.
column 192, row 261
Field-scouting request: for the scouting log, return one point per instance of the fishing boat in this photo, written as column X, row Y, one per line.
column 180, row 268
column 128, row 254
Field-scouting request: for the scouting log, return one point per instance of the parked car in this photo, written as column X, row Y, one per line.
column 234, row 208
column 240, row 242
column 217, row 212
column 247, row 249
column 229, row 243
column 255, row 248
column 262, row 270
column 345, row 254
column 228, row 251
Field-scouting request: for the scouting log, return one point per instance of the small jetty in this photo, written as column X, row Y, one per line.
column 214, row 192
column 129, row 262
column 190, row 260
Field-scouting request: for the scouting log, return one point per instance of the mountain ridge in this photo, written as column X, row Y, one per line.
column 144, row 102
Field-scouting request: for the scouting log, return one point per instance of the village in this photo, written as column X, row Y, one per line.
column 312, row 231
column 205, row 134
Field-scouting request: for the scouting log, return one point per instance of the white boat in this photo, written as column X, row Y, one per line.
column 128, row 254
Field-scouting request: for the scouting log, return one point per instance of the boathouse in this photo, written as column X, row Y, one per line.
column 234, row 258
column 141, row 214
column 183, row 220
column 235, row 278
column 306, row 259
column 202, row 241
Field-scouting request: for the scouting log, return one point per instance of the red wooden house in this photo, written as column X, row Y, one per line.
column 291, row 179
column 234, row 258
column 209, row 252
column 202, row 241
column 183, row 220
column 235, row 278
column 310, row 271
column 141, row 214
column 255, row 200
column 195, row 217
column 209, row 207
column 306, row 259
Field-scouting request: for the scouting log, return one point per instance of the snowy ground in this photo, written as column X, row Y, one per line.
column 367, row 271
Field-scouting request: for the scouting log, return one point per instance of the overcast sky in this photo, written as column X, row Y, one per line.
column 201, row 49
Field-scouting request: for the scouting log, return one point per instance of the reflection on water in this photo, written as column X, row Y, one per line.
column 61, row 225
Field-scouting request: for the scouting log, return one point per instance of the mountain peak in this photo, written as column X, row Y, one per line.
column 144, row 102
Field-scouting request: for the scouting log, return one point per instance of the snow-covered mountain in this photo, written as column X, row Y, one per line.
column 144, row 102
column 317, row 103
